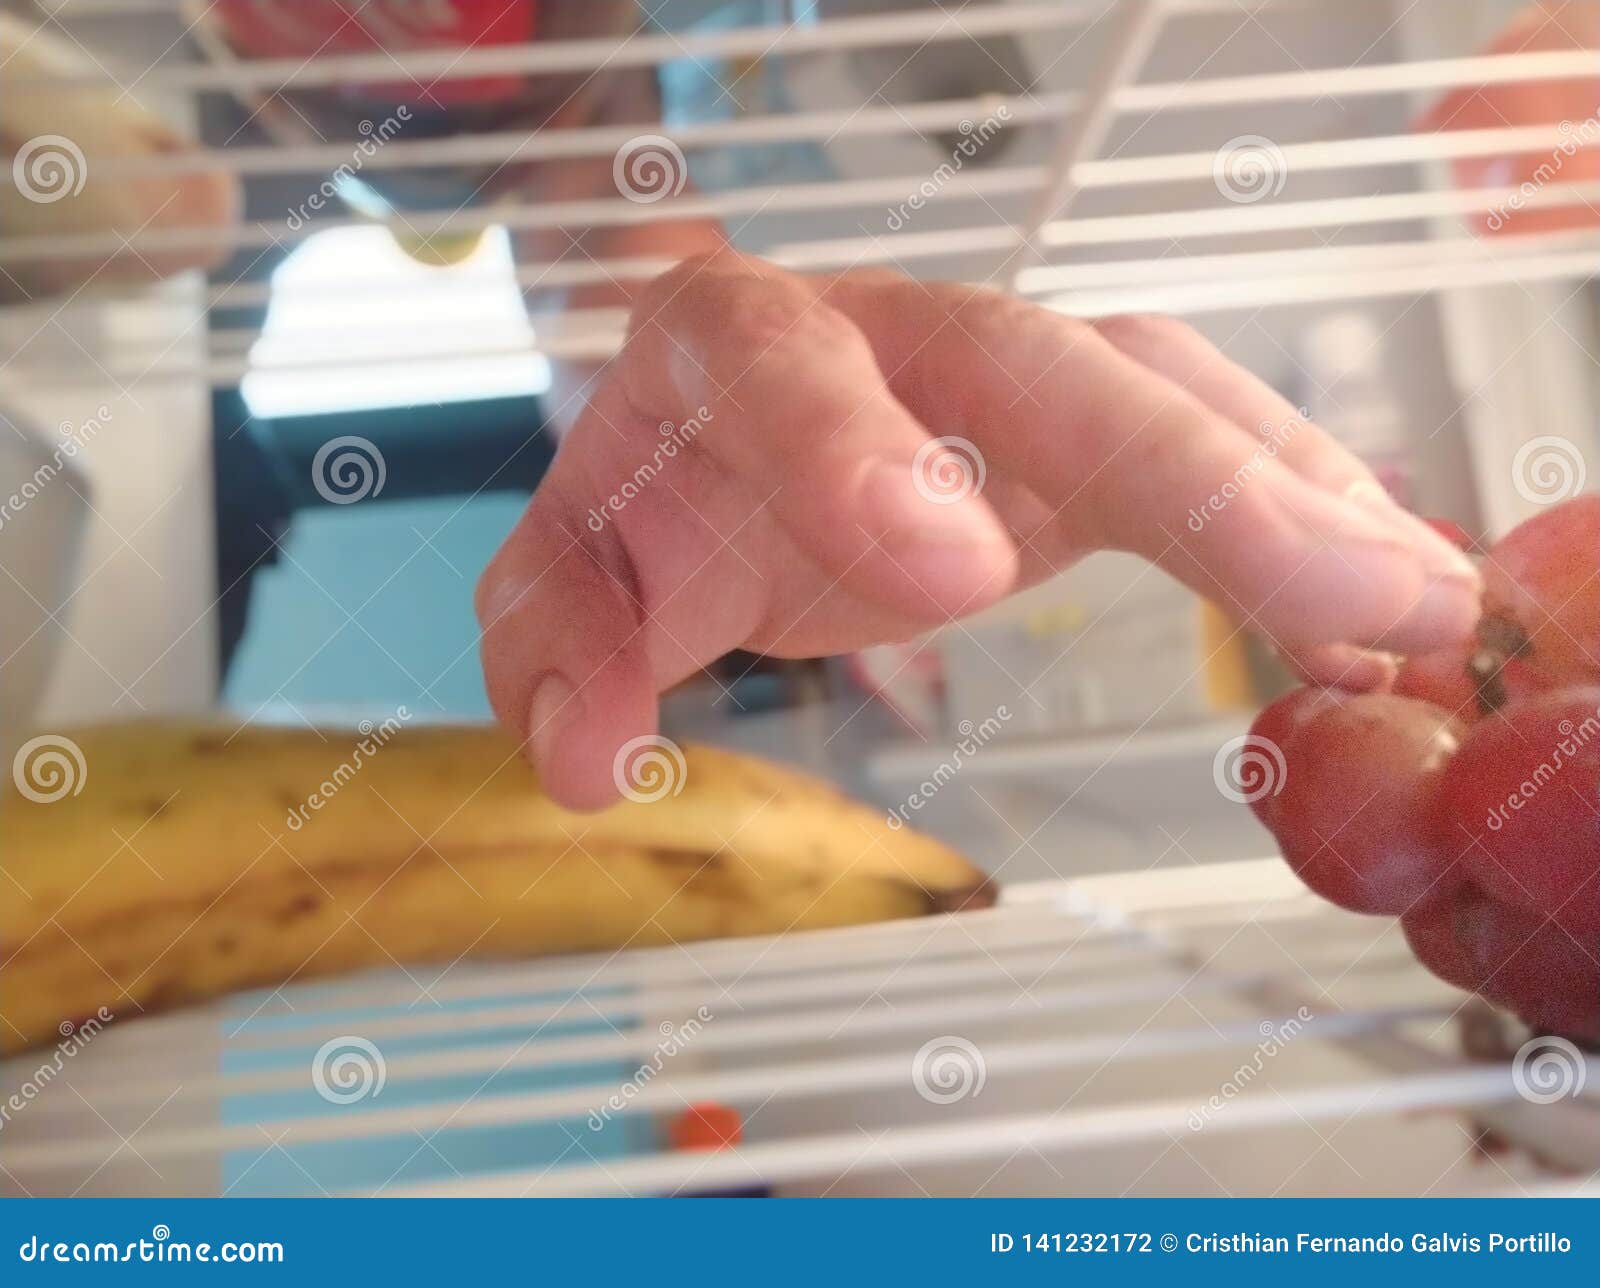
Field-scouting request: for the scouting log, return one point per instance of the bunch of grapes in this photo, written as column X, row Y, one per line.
column 1466, row 800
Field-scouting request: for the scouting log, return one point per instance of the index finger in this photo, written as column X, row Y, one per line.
column 1131, row 461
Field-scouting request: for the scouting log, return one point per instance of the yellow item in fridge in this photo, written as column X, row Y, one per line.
column 150, row 864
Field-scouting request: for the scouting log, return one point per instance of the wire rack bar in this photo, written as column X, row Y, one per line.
column 1136, row 26
column 1351, row 154
column 902, row 1148
column 727, row 1034
column 1174, row 923
column 1326, row 287
column 767, row 968
column 1301, row 276
column 913, row 27
column 523, row 146
column 910, row 248
column 759, row 1084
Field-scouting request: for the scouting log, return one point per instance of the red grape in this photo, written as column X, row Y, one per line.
column 1274, row 727
column 1526, row 962
column 1520, row 803
column 1444, row 679
column 1467, row 798
column 1518, row 680
column 1544, row 576
column 1469, row 680
column 1430, row 930
column 1354, row 818
column 1521, row 960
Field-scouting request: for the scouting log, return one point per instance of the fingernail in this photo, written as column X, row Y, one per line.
column 1372, row 671
column 553, row 706
column 1346, row 666
column 1449, row 564
column 1440, row 557
column 1450, row 600
column 1373, row 495
column 1375, row 500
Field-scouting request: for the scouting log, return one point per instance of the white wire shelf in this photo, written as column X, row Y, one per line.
column 1103, row 1013
column 1340, row 155
column 915, row 27
column 911, row 119
column 1107, row 1011
column 1009, row 216
column 990, row 238
column 1180, row 286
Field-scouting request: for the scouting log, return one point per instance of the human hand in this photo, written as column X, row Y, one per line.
column 792, row 465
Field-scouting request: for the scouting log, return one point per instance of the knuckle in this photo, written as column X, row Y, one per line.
column 659, row 291
column 870, row 277
column 982, row 306
column 984, row 311
column 822, row 328
column 1028, row 343
column 767, row 312
column 1141, row 329
column 485, row 591
column 481, row 593
column 707, row 272
column 722, row 292
column 517, row 566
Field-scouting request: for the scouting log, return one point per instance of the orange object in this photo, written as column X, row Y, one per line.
column 706, row 1126
column 1568, row 106
column 307, row 28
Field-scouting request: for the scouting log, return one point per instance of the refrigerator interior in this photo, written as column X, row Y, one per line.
column 1216, row 1031
column 1155, row 1008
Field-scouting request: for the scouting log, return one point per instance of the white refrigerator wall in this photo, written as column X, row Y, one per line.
column 129, row 611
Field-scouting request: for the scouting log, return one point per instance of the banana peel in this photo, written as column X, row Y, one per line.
column 191, row 859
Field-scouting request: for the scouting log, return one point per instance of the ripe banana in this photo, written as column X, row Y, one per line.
column 178, row 861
